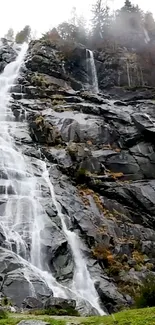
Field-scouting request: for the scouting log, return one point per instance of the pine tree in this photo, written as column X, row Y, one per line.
column 52, row 35
column 106, row 23
column 23, row 35
column 75, row 29
column 128, row 7
column 82, row 33
column 97, row 19
column 129, row 25
column 68, row 31
column 74, row 17
column 10, row 34
column 101, row 23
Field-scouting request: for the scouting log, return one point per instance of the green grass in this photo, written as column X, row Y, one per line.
column 144, row 316
column 14, row 320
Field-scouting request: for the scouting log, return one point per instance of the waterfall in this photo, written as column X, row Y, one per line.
column 91, row 69
column 128, row 73
column 147, row 38
column 24, row 217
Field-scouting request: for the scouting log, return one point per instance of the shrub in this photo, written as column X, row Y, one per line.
column 58, row 97
column 146, row 297
column 55, row 311
column 82, row 175
column 58, row 102
column 3, row 313
column 104, row 254
column 5, row 301
column 115, row 268
column 138, row 257
column 39, row 80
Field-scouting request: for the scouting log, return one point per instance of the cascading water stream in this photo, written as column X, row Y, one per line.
column 147, row 38
column 91, row 69
column 83, row 285
column 24, row 217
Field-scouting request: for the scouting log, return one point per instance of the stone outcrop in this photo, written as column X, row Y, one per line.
column 32, row 303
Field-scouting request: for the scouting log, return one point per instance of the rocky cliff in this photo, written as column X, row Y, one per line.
column 100, row 154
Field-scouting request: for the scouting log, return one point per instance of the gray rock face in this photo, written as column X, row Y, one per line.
column 16, row 276
column 111, row 140
column 89, row 130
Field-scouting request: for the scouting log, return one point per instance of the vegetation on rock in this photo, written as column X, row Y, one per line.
column 43, row 132
column 3, row 313
column 102, row 253
column 146, row 296
column 55, row 311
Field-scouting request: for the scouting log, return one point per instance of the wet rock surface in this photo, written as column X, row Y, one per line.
column 16, row 276
column 100, row 155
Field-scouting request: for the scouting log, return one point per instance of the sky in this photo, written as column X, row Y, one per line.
column 42, row 15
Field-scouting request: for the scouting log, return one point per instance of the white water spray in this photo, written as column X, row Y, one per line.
column 24, row 217
column 91, row 66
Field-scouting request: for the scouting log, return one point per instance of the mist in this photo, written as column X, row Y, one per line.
column 42, row 16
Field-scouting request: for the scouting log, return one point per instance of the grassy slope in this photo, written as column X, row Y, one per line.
column 131, row 317
column 144, row 316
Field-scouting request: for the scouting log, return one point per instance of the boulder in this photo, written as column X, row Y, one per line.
column 111, row 299
column 125, row 163
column 32, row 303
column 59, row 303
column 145, row 125
column 18, row 278
column 94, row 130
